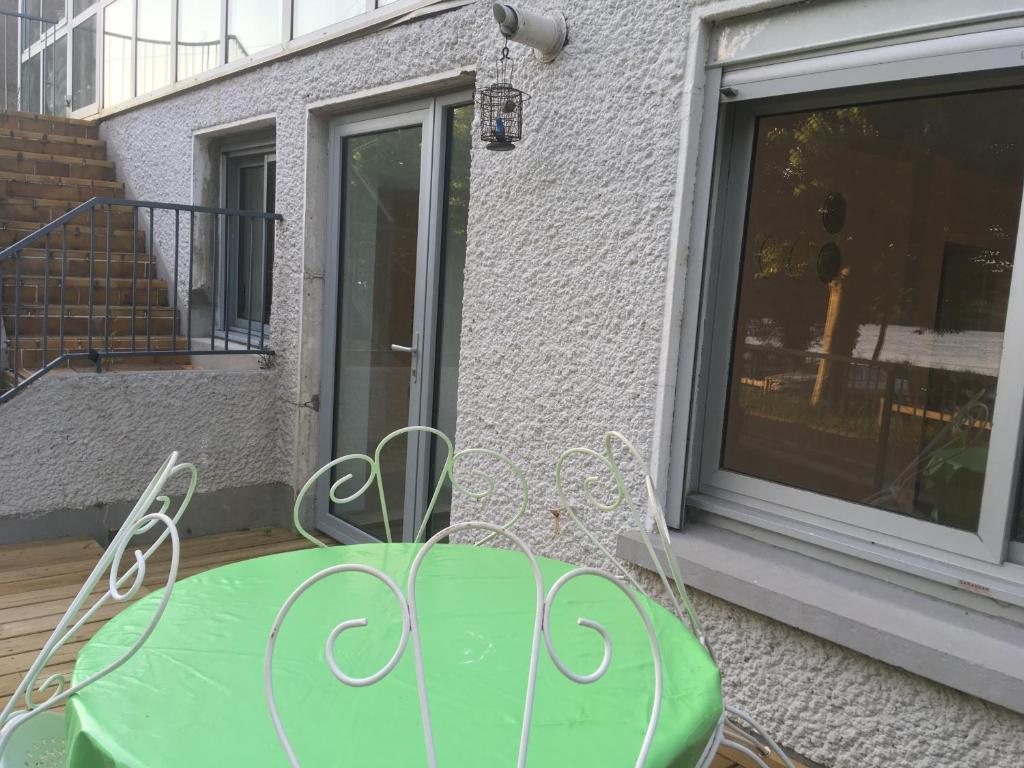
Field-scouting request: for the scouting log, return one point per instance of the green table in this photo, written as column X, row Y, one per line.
column 193, row 696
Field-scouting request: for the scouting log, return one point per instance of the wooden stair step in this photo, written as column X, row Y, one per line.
column 53, row 144
column 34, row 264
column 23, row 154
column 66, row 126
column 42, row 211
column 57, row 187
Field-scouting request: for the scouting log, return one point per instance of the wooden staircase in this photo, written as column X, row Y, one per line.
column 49, row 165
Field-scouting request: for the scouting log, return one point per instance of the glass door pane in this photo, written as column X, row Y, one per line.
column 875, row 280
column 250, row 245
column 55, row 77
column 377, row 286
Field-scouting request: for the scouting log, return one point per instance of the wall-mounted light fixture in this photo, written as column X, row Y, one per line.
column 546, row 34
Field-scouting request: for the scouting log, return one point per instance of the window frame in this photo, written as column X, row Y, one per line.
column 982, row 564
column 233, row 157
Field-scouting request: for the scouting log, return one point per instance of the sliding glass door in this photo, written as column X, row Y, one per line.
column 393, row 323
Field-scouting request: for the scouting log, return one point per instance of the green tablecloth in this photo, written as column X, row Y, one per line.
column 193, row 696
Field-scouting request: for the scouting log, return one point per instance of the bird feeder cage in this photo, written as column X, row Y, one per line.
column 501, row 108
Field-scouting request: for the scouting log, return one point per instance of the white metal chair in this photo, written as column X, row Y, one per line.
column 756, row 746
column 744, row 735
column 477, row 482
column 35, row 736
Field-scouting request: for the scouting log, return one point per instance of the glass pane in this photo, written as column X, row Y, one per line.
column 250, row 260
column 50, row 10
column 153, row 49
column 30, row 85
column 380, row 215
column 82, row 5
column 198, row 37
column 83, row 64
column 453, row 268
column 55, row 77
column 253, row 25
column 311, row 15
column 117, row 52
column 878, row 250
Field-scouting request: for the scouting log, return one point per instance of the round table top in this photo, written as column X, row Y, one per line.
column 193, row 695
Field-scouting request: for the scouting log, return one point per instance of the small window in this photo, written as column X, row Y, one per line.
column 249, row 244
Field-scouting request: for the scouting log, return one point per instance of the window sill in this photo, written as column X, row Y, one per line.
column 961, row 648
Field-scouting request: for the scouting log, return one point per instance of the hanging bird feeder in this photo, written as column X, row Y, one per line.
column 501, row 108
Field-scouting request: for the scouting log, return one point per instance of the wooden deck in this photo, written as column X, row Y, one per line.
column 38, row 580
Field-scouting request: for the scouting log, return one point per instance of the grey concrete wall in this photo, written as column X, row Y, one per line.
column 564, row 299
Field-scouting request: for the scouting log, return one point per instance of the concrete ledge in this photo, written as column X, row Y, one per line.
column 970, row 651
column 230, row 509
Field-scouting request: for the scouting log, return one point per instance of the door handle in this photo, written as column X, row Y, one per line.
column 413, row 351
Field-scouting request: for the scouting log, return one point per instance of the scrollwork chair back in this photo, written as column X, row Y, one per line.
column 35, row 735
column 752, row 741
column 471, row 473
column 410, row 629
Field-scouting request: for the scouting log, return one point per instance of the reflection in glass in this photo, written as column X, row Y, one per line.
column 449, row 300
column 865, row 362
column 380, row 216
column 55, row 77
column 253, row 25
column 30, row 85
column 82, row 5
column 83, row 64
column 31, row 31
column 198, row 37
column 153, row 48
column 311, row 15
column 117, row 52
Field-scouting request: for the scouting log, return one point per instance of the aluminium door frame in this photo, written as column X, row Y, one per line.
column 432, row 115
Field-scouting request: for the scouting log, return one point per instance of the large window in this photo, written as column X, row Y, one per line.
column 198, row 37
column 153, row 45
column 310, row 15
column 149, row 44
column 253, row 26
column 864, row 318
column 117, row 52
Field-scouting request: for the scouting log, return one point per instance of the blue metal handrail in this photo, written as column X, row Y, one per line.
column 229, row 225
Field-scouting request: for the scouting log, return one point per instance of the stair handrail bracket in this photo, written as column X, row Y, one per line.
column 113, row 279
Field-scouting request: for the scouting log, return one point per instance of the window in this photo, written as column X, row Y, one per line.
column 30, row 84
column 311, row 15
column 117, row 52
column 863, row 317
column 83, row 64
column 198, row 37
column 153, row 45
column 251, row 176
column 253, row 26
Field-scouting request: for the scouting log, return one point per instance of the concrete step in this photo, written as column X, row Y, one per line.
column 115, row 320
column 65, row 126
column 31, row 358
column 33, row 141
column 75, row 290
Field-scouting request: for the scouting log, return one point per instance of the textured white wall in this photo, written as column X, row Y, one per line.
column 71, row 441
column 564, row 295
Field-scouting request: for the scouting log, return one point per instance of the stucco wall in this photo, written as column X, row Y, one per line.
column 564, row 300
